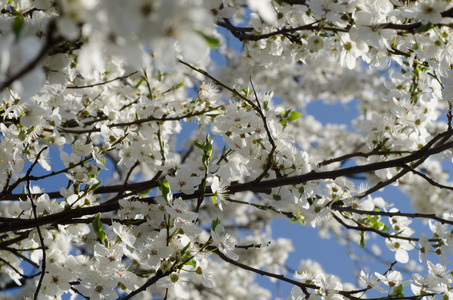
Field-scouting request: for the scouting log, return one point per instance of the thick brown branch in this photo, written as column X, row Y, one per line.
column 239, row 32
column 252, row 186
column 360, row 154
column 294, row 2
column 294, row 180
column 135, row 187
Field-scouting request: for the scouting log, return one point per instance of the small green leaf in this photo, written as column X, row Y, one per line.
column 95, row 186
column 212, row 41
column 362, row 239
column 214, row 199
column 294, row 116
column 145, row 192
column 175, row 87
column 179, row 85
column 185, row 248
column 207, row 147
column 139, row 83
column 212, row 115
column 398, row 291
column 198, row 145
column 425, row 27
column 377, row 225
column 164, row 187
column 18, row 25
column 214, row 223
column 101, row 235
column 97, row 226
column 191, row 263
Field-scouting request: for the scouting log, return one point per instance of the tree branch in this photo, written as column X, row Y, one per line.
column 50, row 42
column 100, row 83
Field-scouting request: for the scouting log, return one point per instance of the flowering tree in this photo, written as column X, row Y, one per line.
column 113, row 86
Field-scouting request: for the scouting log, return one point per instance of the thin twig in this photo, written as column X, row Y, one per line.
column 41, row 241
column 136, row 122
column 269, row 137
column 432, row 182
column 371, row 229
column 391, row 214
column 50, row 42
column 100, row 83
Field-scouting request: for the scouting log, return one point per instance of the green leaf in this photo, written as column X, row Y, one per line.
column 212, row 115
column 97, row 226
column 139, row 83
column 198, row 145
column 191, row 263
column 362, row 239
column 212, row 41
column 18, row 25
column 398, row 291
column 207, row 147
column 164, row 187
column 214, row 223
column 377, row 225
column 425, row 27
column 214, row 199
column 294, row 116
column 175, row 87
column 145, row 192
column 185, row 248
column 95, row 186
column 101, row 236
